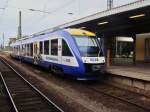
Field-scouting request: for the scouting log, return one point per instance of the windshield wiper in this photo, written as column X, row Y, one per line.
column 99, row 45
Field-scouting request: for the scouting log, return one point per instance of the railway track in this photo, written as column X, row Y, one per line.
column 4, row 103
column 123, row 96
column 23, row 96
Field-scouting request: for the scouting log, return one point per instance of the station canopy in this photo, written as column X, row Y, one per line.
column 126, row 20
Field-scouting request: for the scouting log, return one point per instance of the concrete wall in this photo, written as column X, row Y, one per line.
column 129, row 82
column 140, row 48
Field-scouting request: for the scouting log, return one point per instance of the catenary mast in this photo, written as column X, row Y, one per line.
column 109, row 4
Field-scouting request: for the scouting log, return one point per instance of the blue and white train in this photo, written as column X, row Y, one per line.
column 73, row 52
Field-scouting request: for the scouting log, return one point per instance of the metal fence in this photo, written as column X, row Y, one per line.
column 121, row 61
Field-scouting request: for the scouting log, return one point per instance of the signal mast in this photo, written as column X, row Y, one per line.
column 109, row 4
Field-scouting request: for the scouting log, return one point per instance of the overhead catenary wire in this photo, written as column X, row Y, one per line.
column 59, row 8
column 66, row 4
column 43, row 11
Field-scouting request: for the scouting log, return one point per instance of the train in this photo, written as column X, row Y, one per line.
column 75, row 52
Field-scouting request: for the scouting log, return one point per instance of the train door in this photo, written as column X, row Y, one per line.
column 147, row 49
column 60, row 50
column 35, row 52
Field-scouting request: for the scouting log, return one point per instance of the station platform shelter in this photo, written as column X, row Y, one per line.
column 125, row 34
column 124, row 51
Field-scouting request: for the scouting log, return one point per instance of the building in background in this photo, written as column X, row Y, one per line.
column 12, row 40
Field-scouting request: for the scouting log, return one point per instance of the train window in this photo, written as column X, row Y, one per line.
column 46, row 47
column 41, row 47
column 54, row 47
column 23, row 50
column 14, row 49
column 18, row 49
column 65, row 49
column 31, row 49
column 28, row 49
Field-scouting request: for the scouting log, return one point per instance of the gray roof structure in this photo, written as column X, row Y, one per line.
column 118, row 18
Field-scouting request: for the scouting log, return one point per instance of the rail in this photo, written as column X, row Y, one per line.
column 29, row 84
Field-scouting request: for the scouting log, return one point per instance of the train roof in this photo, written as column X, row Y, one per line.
column 71, row 31
column 80, row 32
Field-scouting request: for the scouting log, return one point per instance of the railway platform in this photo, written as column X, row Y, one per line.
column 132, row 75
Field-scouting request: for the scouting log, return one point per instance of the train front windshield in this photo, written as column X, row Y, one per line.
column 88, row 46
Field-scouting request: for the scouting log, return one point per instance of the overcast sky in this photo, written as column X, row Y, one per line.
column 36, row 21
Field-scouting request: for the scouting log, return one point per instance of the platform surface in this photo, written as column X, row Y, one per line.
column 136, row 72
